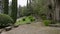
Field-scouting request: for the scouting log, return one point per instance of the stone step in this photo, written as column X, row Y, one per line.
column 8, row 28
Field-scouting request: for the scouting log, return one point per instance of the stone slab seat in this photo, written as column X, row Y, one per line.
column 8, row 28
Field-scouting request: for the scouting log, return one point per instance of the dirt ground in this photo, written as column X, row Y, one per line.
column 34, row 28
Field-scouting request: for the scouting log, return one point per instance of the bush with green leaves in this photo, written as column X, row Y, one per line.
column 47, row 22
column 5, row 20
column 23, row 19
column 31, row 18
column 43, row 17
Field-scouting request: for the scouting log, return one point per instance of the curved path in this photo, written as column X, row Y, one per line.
column 34, row 28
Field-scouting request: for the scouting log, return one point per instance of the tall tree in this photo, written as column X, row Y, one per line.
column 14, row 10
column 6, row 2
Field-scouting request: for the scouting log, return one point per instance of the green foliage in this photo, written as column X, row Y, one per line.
column 31, row 18
column 39, row 7
column 14, row 10
column 43, row 17
column 5, row 20
column 46, row 22
column 24, row 12
column 53, row 22
column 24, row 20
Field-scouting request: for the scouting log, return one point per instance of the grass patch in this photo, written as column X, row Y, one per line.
column 25, row 20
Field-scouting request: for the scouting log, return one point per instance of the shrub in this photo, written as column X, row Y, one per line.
column 31, row 18
column 43, row 17
column 5, row 20
column 46, row 22
column 53, row 22
column 23, row 19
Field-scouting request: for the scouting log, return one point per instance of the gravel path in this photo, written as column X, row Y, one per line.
column 34, row 28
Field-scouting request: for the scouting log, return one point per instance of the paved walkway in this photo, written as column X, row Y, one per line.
column 34, row 28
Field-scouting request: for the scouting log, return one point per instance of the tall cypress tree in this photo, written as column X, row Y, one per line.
column 5, row 3
column 14, row 10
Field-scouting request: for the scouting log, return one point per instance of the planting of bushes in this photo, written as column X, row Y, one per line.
column 43, row 17
column 31, row 18
column 47, row 22
column 25, row 20
column 53, row 22
column 5, row 20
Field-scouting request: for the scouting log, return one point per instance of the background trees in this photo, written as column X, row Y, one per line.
column 39, row 6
